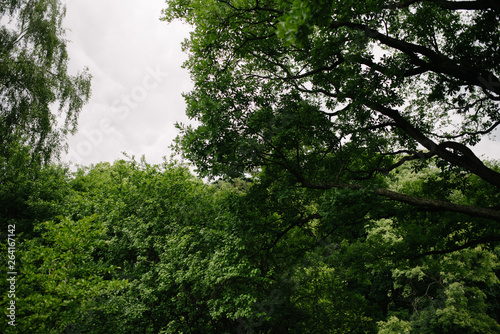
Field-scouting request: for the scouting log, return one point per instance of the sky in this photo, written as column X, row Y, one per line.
column 135, row 60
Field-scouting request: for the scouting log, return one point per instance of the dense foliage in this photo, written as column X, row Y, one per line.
column 39, row 105
column 138, row 248
column 335, row 93
column 363, row 115
column 339, row 202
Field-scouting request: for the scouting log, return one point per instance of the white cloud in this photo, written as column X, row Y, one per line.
column 135, row 60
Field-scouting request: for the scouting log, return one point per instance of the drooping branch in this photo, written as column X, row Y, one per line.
column 389, row 72
column 467, row 5
column 427, row 203
column 440, row 205
column 385, row 170
column 460, row 135
column 298, row 223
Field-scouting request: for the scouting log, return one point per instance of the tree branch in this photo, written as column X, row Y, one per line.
column 386, row 170
column 452, row 5
column 484, row 240
column 467, row 5
column 434, row 204
column 467, row 159
column 438, row 62
column 297, row 223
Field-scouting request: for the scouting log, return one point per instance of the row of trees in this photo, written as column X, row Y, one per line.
column 344, row 196
column 136, row 248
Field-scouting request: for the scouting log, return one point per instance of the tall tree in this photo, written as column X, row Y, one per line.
column 335, row 93
column 172, row 238
column 39, row 100
column 363, row 115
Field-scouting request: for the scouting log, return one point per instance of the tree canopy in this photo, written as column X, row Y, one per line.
column 346, row 197
column 136, row 248
column 339, row 93
column 357, row 121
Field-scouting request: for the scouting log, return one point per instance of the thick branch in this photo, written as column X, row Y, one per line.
column 437, row 63
column 440, row 205
column 462, row 157
column 434, row 204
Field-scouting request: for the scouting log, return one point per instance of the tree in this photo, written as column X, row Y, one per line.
column 34, row 81
column 355, row 122
column 337, row 93
column 29, row 196
column 172, row 238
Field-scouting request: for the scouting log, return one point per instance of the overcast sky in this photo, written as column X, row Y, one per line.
column 135, row 60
